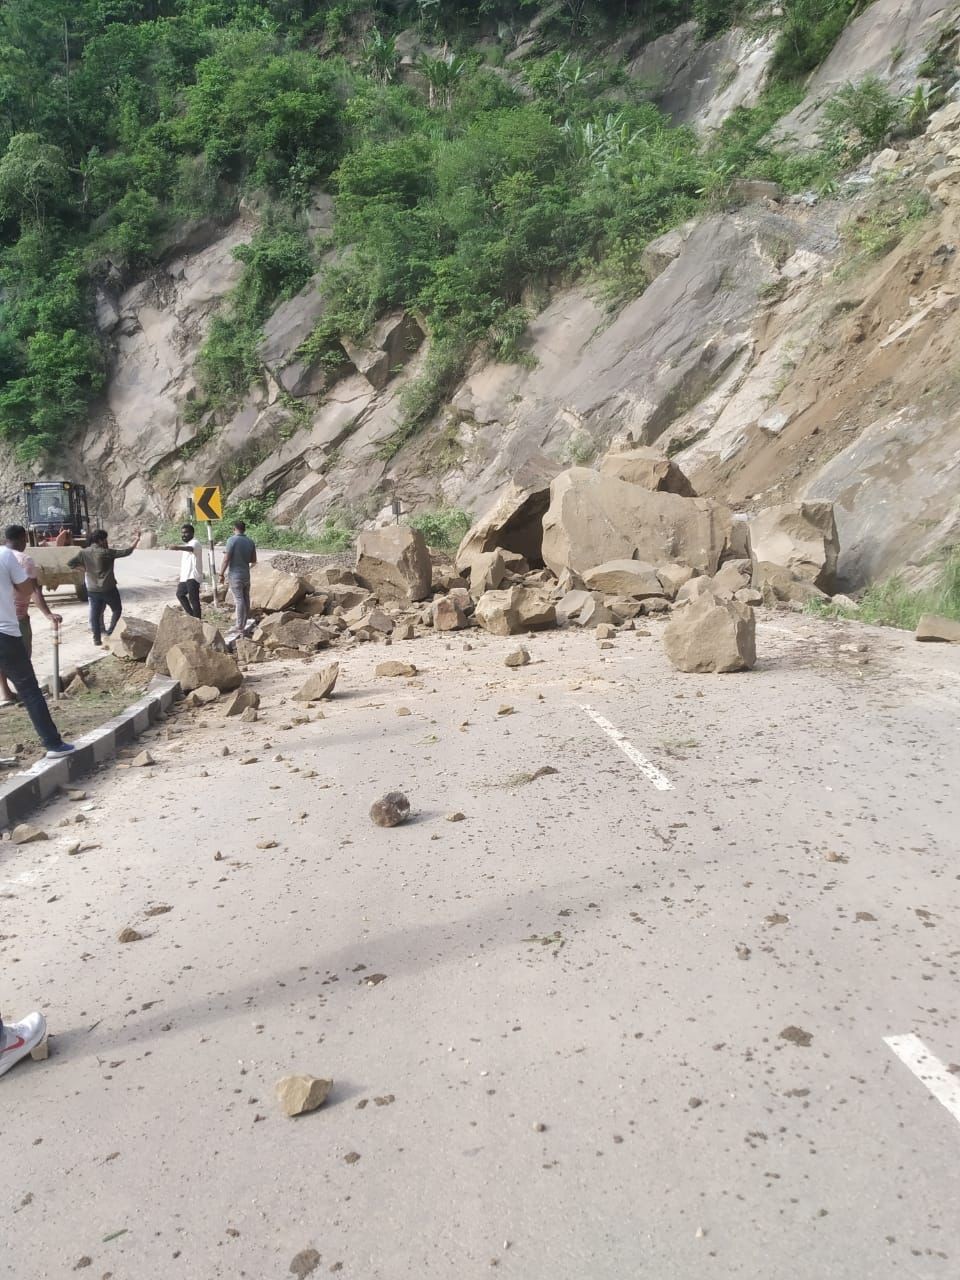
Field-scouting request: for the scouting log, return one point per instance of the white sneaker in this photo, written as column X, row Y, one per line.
column 20, row 1038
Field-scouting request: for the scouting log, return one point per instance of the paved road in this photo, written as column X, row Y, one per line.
column 587, row 1079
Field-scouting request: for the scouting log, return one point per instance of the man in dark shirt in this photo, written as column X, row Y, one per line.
column 97, row 561
column 240, row 555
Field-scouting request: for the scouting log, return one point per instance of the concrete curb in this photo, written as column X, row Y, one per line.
column 25, row 791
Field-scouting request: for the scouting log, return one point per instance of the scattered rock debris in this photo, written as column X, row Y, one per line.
column 391, row 810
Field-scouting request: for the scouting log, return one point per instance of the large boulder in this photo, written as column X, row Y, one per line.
column 290, row 631
column 514, row 523
column 800, row 536
column 194, row 665
column 177, row 627
column 499, row 612
column 536, row 609
column 624, row 578
column 647, row 467
column 594, row 518
column 394, row 563
column 272, row 590
column 711, row 635
column 133, row 638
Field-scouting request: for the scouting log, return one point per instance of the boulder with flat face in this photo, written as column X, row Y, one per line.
column 272, row 590
column 194, row 665
column 176, row 627
column 133, row 638
column 712, row 635
column 594, row 518
column 499, row 612
column 514, row 523
column 934, row 627
column 394, row 563
column 624, row 578
column 801, row 537
column 647, row 467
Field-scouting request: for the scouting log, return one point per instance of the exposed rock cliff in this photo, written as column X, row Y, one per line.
column 769, row 358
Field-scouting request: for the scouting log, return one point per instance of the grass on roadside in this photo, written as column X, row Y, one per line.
column 894, row 604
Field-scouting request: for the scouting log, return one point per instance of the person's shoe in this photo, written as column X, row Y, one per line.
column 20, row 1038
column 64, row 749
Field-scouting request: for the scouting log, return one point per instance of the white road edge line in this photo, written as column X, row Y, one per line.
column 913, row 1053
column 650, row 771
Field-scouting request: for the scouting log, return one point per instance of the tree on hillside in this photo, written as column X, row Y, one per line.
column 34, row 180
column 441, row 75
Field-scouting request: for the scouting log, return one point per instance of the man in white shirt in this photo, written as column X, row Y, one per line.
column 14, row 663
column 191, row 570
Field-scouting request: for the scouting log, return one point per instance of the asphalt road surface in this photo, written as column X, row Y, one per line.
column 629, row 1018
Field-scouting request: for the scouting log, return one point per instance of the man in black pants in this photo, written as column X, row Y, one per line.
column 191, row 570
column 14, row 662
column 97, row 562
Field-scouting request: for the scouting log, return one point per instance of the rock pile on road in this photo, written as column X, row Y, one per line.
column 603, row 549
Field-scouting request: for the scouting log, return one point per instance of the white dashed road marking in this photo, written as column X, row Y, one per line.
column 650, row 771
column 913, row 1053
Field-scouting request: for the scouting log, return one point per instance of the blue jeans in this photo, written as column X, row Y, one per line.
column 18, row 668
column 98, row 606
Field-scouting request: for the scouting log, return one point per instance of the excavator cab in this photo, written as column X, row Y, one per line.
column 56, row 511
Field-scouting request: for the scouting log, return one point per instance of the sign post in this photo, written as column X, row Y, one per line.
column 208, row 507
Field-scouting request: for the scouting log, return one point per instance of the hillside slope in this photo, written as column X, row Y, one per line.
column 788, row 334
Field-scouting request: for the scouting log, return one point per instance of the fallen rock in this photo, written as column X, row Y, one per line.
column 749, row 595
column 133, row 639
column 932, row 626
column 290, row 631
column 583, row 609
column 779, row 585
column 129, row 935
column 709, row 635
column 193, row 665
column 624, row 578
column 499, row 612
column 673, row 577
column 272, row 590
column 396, row 669
column 304, row 1263
column 142, row 761
column 734, row 576
column 203, row 696
column 624, row 608
column 176, row 627
column 456, row 817
column 594, row 518
column 514, row 523
column 320, row 685
column 648, row 468
column 801, row 537
column 606, row 631
column 299, row 1095
column 536, row 609
column 487, row 572
column 394, row 563
column 23, row 833
column 243, row 700
column 519, row 658
column 391, row 810
column 448, row 615
column 249, row 715
column 696, row 589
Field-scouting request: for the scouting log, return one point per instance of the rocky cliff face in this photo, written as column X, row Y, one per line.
column 769, row 359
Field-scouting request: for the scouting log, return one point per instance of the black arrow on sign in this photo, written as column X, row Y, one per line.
column 206, row 498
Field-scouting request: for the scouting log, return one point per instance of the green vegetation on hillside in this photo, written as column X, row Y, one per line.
column 456, row 188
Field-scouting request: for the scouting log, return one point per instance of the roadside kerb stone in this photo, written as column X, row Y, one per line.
column 24, row 791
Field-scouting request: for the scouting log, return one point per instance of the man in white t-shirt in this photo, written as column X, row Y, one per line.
column 14, row 663
column 191, row 570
